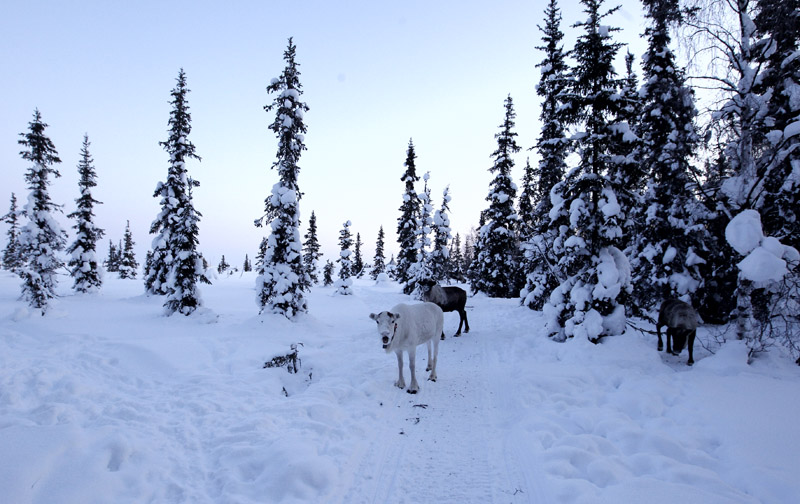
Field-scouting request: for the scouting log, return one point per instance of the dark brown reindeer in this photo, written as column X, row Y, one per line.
column 449, row 299
column 681, row 321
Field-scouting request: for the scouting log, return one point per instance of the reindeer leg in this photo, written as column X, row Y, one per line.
column 660, row 342
column 432, row 376
column 412, row 358
column 691, row 347
column 463, row 313
column 428, row 368
column 400, row 383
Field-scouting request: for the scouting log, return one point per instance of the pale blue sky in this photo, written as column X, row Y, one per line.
column 374, row 74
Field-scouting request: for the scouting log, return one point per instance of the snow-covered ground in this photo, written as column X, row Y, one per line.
column 105, row 400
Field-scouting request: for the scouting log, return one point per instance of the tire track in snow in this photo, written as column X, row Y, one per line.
column 452, row 442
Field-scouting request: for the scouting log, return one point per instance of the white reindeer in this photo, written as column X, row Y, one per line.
column 404, row 328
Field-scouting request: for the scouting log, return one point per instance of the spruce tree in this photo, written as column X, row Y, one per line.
column 421, row 268
column 247, row 266
column 552, row 146
column 112, row 261
column 128, row 267
column 497, row 264
column 85, row 267
column 358, row 260
column 407, row 222
column 176, row 266
column 311, row 253
column 12, row 254
column 327, row 273
column 283, row 280
column 223, row 265
column 670, row 242
column 777, row 23
column 41, row 238
column 457, row 260
column 590, row 300
column 378, row 262
column 441, row 264
column 345, row 283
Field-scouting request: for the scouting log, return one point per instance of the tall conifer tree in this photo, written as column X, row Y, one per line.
column 441, row 264
column 497, row 263
column 176, row 266
column 552, row 146
column 85, row 267
column 671, row 243
column 590, row 300
column 283, row 279
column 41, row 238
column 421, row 268
column 409, row 215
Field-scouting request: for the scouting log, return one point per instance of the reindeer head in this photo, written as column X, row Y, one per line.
column 387, row 327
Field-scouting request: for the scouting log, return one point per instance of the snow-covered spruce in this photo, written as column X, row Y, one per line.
column 552, row 145
column 345, row 282
column 670, row 242
column 283, row 278
column 41, row 238
column 495, row 270
column 407, row 222
column 311, row 253
column 175, row 267
column 441, row 263
column 420, row 269
column 379, row 261
column 87, row 276
column 12, row 254
column 587, row 212
column 128, row 266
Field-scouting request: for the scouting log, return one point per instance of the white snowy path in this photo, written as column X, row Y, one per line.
column 105, row 400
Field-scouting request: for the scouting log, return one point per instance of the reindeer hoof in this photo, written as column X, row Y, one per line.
column 411, row 391
column 660, row 348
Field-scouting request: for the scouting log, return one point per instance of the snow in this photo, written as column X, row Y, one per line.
column 105, row 400
column 791, row 130
column 744, row 231
column 766, row 257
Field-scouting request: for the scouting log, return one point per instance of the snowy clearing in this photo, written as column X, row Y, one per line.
column 106, row 400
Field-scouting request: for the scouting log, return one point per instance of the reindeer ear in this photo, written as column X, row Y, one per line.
column 373, row 316
column 395, row 316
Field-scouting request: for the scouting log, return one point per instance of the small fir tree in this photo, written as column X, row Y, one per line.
column 409, row 216
column 458, row 268
column 247, row 266
column 12, row 254
column 112, row 260
column 497, row 263
column 128, row 267
column 223, row 265
column 379, row 261
column 345, row 283
column 327, row 274
column 41, row 238
column 85, row 268
column 441, row 264
column 283, row 280
column 311, row 253
column 358, row 260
